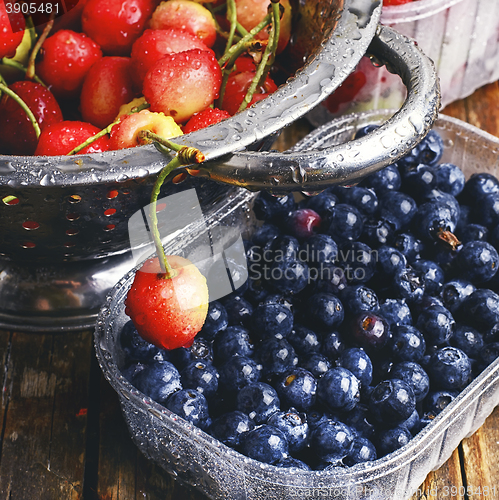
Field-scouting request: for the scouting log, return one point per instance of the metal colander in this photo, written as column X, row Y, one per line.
column 63, row 220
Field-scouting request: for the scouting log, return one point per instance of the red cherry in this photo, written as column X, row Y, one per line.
column 168, row 312
column 152, row 45
column 396, row 2
column 11, row 31
column 61, row 138
column 237, row 87
column 346, row 91
column 185, row 15
column 180, row 85
column 107, row 86
column 67, row 58
column 17, row 135
column 209, row 116
column 116, row 24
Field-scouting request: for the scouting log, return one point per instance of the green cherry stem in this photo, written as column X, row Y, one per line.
column 17, row 65
column 106, row 130
column 24, row 106
column 232, row 18
column 30, row 72
column 185, row 156
column 267, row 57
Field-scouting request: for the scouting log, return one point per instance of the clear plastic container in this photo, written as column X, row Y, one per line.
column 197, row 459
column 460, row 36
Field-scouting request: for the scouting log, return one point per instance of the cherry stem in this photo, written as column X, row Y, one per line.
column 267, row 58
column 24, row 106
column 185, row 156
column 251, row 34
column 17, row 65
column 448, row 238
column 106, row 130
column 232, row 17
column 30, row 72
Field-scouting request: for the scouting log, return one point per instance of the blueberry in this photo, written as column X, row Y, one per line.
column 358, row 298
column 396, row 312
column 454, row 292
column 130, row 371
column 265, row 443
column 386, row 179
column 303, row 223
column 320, row 250
column 359, row 363
column 201, row 376
column 389, row 440
column 234, row 341
column 191, row 405
column 480, row 309
column 239, row 310
column 380, row 230
column 325, row 311
column 362, row 451
column 289, row 276
column 358, row 419
column 450, row 178
column 432, row 219
column 345, row 223
column 323, row 203
column 449, row 368
column 432, row 274
column 390, row 260
column 408, row 245
column 216, row 320
column 400, row 205
column 413, row 375
column 317, row 364
column 468, row 340
column 368, row 330
column 358, row 261
column 332, row 440
column 472, row 232
column 229, row 427
column 238, row 372
column 297, row 388
column 478, row 261
column 258, row 400
column 134, row 346
column 158, row 380
column 408, row 284
column 273, row 208
column 430, row 149
column 304, row 340
column 276, row 357
column 294, row 426
column 338, row 389
column 282, row 248
column 265, row 233
column 436, row 401
column 437, row 324
column 200, row 350
column 478, row 186
column 392, row 401
column 406, row 343
column 332, row 345
column 413, row 423
column 272, row 321
column 419, row 180
column 488, row 354
column 362, row 198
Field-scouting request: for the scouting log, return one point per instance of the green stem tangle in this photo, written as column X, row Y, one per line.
column 185, row 156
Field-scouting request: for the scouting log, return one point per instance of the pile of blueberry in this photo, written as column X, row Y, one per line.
column 368, row 309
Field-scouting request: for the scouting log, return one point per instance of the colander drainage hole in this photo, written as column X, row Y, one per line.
column 28, row 244
column 74, row 198
column 30, row 225
column 72, row 232
column 109, row 227
column 113, row 193
column 109, row 212
column 73, row 216
column 10, row 200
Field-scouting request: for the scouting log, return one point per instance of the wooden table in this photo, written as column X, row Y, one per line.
column 63, row 435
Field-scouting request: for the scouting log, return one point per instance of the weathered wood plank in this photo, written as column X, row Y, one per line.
column 481, row 460
column 43, row 452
